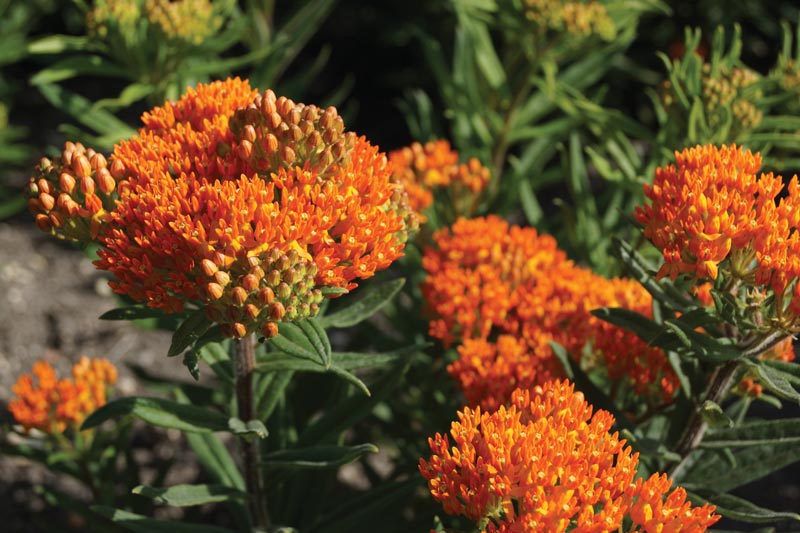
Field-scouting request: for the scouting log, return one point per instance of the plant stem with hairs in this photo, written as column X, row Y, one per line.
column 244, row 365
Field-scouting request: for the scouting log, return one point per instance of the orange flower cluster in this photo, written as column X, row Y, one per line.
column 53, row 405
column 547, row 463
column 248, row 205
column 424, row 169
column 711, row 207
column 489, row 280
column 70, row 197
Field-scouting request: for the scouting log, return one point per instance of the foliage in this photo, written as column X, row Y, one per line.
column 340, row 308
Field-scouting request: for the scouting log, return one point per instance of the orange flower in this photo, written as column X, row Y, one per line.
column 52, row 405
column 248, row 205
column 423, row 169
column 487, row 278
column 548, row 464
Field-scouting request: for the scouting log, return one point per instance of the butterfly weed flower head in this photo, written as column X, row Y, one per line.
column 245, row 204
column 549, row 463
column 505, row 293
column 52, row 405
column 424, row 170
column 712, row 215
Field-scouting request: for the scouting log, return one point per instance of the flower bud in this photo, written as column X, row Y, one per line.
column 284, row 291
column 47, row 202
column 250, row 283
column 105, row 182
column 270, row 330
column 81, row 166
column 239, row 295
column 87, row 185
column 214, row 291
column 222, row 278
column 266, row 296
column 276, row 311
column 238, row 329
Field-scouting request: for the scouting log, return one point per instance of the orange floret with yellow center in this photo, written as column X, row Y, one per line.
column 548, row 463
column 52, row 405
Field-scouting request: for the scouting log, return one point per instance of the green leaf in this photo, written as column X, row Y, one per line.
column 271, row 390
column 317, row 338
column 216, row 459
column 292, row 341
column 252, row 428
column 350, row 378
column 353, row 360
column 81, row 109
column 712, row 469
column 142, row 524
column 344, row 414
column 281, row 362
column 368, row 303
column 735, row 508
column 188, row 495
column 69, row 67
column 160, row 412
column 55, row 44
column 188, row 332
column 754, row 434
column 215, row 355
column 316, row 456
column 777, row 382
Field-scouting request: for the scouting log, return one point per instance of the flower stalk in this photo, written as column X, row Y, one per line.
column 244, row 365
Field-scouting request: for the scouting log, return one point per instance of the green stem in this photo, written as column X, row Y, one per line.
column 723, row 378
column 244, row 364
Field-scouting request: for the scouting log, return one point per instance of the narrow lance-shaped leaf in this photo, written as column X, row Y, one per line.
column 162, row 413
column 316, row 456
column 372, row 300
column 188, row 495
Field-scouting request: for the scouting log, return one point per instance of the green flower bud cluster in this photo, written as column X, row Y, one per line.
column 276, row 132
column 727, row 91
column 579, row 18
column 277, row 287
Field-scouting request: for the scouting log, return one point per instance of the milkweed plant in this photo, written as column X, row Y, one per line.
column 544, row 314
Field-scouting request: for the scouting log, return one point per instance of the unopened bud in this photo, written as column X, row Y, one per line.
column 273, row 278
column 249, row 133
column 118, row 169
column 239, row 330
column 284, row 291
column 208, row 267
column 105, row 182
column 47, row 202
column 222, row 278
column 98, row 161
column 271, row 144
column 66, row 182
column 266, row 296
column 276, row 311
column 245, row 150
column 274, row 120
column 251, row 311
column 87, row 185
column 250, row 282
column 269, row 330
column 288, row 156
column 214, row 291
column 43, row 222
column 81, row 166
column 239, row 295
column 44, row 186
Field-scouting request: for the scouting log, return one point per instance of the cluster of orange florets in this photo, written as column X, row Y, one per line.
column 711, row 209
column 548, row 464
column 53, row 405
column 247, row 204
column 489, row 280
column 424, row 169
